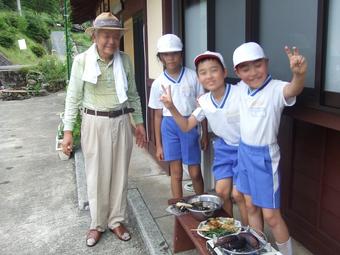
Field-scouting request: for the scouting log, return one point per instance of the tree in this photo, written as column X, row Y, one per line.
column 48, row 6
column 8, row 5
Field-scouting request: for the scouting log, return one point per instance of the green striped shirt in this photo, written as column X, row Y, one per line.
column 101, row 96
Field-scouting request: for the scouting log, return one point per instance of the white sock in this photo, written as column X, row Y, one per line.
column 286, row 248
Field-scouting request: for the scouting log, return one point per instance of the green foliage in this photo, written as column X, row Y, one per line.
column 52, row 7
column 36, row 89
column 12, row 19
column 38, row 50
column 8, row 5
column 52, row 68
column 3, row 25
column 49, row 20
column 82, row 40
column 17, row 56
column 6, row 39
column 34, row 82
column 76, row 131
column 48, row 6
column 36, row 28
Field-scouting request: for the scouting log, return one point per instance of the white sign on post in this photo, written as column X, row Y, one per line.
column 22, row 44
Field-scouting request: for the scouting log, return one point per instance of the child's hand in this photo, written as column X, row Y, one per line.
column 166, row 98
column 298, row 63
column 159, row 153
column 204, row 143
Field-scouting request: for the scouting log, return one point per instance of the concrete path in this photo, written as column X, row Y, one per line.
column 38, row 200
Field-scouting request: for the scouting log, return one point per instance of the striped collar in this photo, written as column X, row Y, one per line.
column 255, row 91
column 179, row 77
column 224, row 98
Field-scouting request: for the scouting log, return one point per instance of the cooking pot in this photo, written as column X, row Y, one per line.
column 204, row 206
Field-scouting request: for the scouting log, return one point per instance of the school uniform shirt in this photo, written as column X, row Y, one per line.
column 260, row 112
column 184, row 91
column 223, row 117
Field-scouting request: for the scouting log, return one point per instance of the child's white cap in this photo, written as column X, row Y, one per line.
column 247, row 52
column 208, row 54
column 169, row 43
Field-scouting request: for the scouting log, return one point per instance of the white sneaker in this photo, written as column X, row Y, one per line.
column 189, row 187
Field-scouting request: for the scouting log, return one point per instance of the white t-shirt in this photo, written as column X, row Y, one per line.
column 260, row 112
column 223, row 118
column 184, row 92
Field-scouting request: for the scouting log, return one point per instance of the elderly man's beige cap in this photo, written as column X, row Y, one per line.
column 105, row 20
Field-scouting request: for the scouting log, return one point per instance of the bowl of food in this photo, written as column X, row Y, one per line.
column 218, row 227
column 247, row 242
column 204, row 206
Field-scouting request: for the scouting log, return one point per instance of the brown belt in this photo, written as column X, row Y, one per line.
column 111, row 114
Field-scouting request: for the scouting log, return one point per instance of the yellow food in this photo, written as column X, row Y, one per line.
column 227, row 224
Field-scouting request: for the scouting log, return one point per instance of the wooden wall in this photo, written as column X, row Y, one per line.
column 311, row 184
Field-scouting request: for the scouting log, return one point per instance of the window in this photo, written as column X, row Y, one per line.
column 310, row 25
column 332, row 71
column 230, row 29
column 291, row 23
column 195, row 30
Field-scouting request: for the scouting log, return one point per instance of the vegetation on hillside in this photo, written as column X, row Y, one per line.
column 51, row 7
column 35, row 25
column 13, row 28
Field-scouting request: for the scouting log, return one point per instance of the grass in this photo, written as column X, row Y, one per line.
column 82, row 40
column 18, row 31
column 17, row 56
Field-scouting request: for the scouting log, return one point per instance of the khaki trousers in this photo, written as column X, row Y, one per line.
column 107, row 146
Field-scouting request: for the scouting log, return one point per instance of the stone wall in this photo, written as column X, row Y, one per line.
column 12, row 79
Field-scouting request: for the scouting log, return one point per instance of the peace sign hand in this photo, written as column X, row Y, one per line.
column 297, row 62
column 166, row 98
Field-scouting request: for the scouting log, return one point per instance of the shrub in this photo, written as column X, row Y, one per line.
column 38, row 50
column 3, row 23
column 47, row 6
column 7, row 5
column 15, row 21
column 48, row 20
column 52, row 68
column 82, row 39
column 34, row 82
column 36, row 28
column 54, row 72
column 6, row 39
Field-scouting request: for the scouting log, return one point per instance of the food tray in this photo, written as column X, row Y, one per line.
column 266, row 250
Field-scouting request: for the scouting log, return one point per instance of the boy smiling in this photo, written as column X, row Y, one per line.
column 261, row 103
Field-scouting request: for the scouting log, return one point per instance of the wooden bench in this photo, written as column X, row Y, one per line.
column 184, row 238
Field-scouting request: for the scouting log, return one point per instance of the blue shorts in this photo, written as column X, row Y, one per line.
column 179, row 145
column 258, row 174
column 225, row 160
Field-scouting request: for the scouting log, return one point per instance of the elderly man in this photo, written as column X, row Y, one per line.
column 102, row 84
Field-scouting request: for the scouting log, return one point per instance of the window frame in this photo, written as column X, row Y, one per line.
column 313, row 97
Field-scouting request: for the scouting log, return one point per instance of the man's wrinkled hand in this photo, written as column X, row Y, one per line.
column 67, row 143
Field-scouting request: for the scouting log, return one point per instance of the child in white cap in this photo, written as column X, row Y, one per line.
column 221, row 108
column 261, row 105
column 172, row 144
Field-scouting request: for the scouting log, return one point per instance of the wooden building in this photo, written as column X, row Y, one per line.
column 310, row 131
